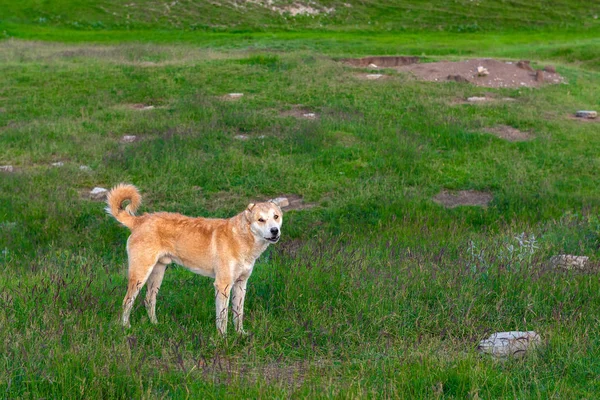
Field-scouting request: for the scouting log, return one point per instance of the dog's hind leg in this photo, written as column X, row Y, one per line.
column 152, row 287
column 140, row 268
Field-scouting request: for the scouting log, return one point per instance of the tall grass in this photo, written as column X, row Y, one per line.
column 376, row 291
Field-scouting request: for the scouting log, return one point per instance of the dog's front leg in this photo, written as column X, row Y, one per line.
column 222, row 292
column 238, row 295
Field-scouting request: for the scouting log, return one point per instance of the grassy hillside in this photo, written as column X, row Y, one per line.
column 370, row 15
column 376, row 291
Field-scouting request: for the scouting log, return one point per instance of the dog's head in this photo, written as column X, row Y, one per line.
column 265, row 220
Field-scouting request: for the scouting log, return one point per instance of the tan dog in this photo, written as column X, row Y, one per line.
column 224, row 249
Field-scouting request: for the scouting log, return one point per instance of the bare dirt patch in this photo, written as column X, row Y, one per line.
column 463, row 198
column 139, row 106
column 509, row 133
column 478, row 100
column 500, row 74
column 294, row 9
column 381, row 61
column 232, row 96
column 299, row 111
column 576, row 118
column 289, row 202
column 371, row 77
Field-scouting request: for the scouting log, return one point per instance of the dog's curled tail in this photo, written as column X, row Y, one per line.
column 115, row 199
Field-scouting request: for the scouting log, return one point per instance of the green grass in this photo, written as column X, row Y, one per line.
column 375, row 292
column 370, row 15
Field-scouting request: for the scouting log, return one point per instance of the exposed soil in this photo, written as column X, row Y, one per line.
column 463, row 198
column 487, row 99
column 498, row 74
column 294, row 9
column 299, row 111
column 289, row 202
column 509, row 133
column 573, row 117
column 371, row 77
column 129, row 139
column 139, row 106
column 381, row 62
column 501, row 74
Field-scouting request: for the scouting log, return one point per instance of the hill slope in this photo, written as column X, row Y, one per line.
column 372, row 15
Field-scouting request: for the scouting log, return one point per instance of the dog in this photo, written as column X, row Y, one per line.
column 223, row 249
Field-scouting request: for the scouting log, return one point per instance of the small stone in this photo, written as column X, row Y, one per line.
column 524, row 64
column 7, row 168
column 569, row 262
column 372, row 66
column 550, row 69
column 586, row 114
column 482, row 71
column 281, row 201
column 147, row 108
column 539, row 76
column 476, row 99
column 457, row 78
column 310, row 115
column 84, row 168
column 128, row 138
column 58, row 164
column 98, row 193
column 373, row 76
column 506, row 344
column 235, row 95
column 241, row 137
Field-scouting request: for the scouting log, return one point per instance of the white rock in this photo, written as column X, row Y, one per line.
column 310, row 115
column 147, row 108
column 372, row 66
column 586, row 114
column 241, row 137
column 128, row 138
column 374, row 76
column 281, row 201
column 505, row 344
column 98, row 193
column 476, row 99
column 7, row 168
column 58, row 164
column 235, row 95
column 569, row 262
column 482, row 71
column 84, row 168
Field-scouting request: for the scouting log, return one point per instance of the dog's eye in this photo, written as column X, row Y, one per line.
column 276, row 216
column 261, row 220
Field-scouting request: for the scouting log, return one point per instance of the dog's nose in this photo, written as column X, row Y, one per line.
column 274, row 231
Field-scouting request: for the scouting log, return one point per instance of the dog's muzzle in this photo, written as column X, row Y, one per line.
column 273, row 239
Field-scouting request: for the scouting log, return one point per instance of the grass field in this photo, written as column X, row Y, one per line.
column 376, row 291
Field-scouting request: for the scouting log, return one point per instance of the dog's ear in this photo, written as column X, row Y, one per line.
column 248, row 212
